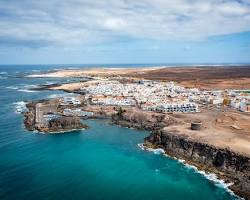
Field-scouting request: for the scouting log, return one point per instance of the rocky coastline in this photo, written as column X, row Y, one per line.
column 230, row 166
column 226, row 164
column 57, row 125
column 142, row 120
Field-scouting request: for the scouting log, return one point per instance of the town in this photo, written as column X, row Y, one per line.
column 145, row 95
column 182, row 120
column 166, row 97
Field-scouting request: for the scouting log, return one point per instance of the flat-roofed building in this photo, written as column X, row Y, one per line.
column 45, row 108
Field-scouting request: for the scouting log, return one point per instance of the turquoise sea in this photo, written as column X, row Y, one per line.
column 103, row 162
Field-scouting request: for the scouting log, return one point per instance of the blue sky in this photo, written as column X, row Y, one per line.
column 124, row 31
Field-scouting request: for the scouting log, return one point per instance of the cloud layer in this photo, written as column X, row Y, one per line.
column 78, row 22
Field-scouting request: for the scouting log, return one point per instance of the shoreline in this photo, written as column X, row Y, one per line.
column 229, row 166
column 208, row 175
column 60, row 131
column 216, row 148
column 200, row 76
column 155, row 147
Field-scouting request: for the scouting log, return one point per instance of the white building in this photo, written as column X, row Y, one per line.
column 216, row 101
column 77, row 113
column 116, row 101
column 70, row 101
column 235, row 104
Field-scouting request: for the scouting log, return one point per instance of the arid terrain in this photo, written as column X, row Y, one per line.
column 228, row 129
column 206, row 77
column 222, row 128
column 182, row 108
column 233, row 77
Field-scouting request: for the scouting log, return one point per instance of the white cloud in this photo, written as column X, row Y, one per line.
column 233, row 9
column 116, row 24
column 77, row 22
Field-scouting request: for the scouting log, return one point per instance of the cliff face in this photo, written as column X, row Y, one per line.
column 228, row 165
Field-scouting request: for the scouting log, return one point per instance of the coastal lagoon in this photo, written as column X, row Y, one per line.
column 103, row 162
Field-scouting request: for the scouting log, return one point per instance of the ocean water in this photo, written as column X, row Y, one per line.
column 103, row 162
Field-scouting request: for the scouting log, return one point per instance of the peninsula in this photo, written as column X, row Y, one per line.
column 200, row 114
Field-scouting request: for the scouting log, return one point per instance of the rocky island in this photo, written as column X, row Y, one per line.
column 207, row 128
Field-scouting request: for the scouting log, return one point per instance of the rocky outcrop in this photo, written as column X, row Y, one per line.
column 29, row 117
column 142, row 120
column 56, row 125
column 230, row 166
column 64, row 124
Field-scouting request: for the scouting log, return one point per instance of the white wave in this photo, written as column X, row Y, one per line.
column 141, row 145
column 50, row 75
column 213, row 178
column 12, row 87
column 50, row 83
column 20, row 106
column 3, row 73
column 62, row 131
column 155, row 151
column 26, row 90
column 30, row 86
column 23, row 88
column 210, row 176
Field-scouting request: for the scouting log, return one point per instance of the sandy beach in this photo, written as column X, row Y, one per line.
column 99, row 72
column 205, row 77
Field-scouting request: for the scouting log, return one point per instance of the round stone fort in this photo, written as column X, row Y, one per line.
column 196, row 125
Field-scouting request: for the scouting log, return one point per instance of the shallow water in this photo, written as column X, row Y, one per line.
column 103, row 162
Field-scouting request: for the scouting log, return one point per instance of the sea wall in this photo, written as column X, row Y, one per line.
column 228, row 165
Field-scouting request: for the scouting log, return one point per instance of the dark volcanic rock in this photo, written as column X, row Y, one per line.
column 142, row 120
column 29, row 117
column 64, row 123
column 230, row 166
column 60, row 124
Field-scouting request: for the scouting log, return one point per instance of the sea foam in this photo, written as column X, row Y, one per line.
column 23, row 88
column 155, row 151
column 213, row 178
column 3, row 75
column 20, row 106
column 12, row 87
column 210, row 176
column 26, row 90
